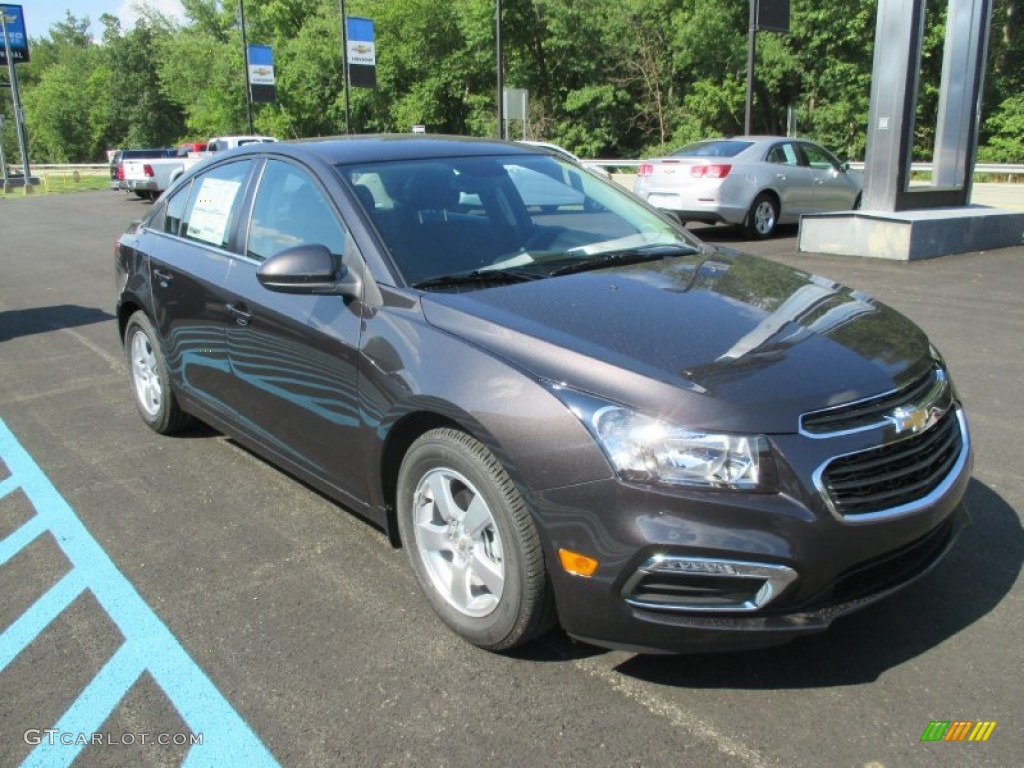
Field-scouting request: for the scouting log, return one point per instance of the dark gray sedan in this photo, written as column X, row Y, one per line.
column 756, row 182
column 572, row 413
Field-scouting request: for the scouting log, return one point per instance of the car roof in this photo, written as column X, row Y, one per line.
column 386, row 147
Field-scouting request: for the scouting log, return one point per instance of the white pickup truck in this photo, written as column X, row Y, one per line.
column 149, row 177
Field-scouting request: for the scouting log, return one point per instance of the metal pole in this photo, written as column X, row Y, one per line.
column 19, row 115
column 245, row 63
column 344, row 61
column 501, row 79
column 3, row 159
column 751, row 52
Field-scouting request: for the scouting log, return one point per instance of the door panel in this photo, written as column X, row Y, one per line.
column 295, row 357
column 189, row 263
column 794, row 181
column 832, row 188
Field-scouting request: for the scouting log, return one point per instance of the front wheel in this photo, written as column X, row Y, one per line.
column 151, row 384
column 471, row 541
column 762, row 217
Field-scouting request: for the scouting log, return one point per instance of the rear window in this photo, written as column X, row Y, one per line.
column 723, row 148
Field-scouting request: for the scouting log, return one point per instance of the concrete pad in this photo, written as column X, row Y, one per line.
column 911, row 235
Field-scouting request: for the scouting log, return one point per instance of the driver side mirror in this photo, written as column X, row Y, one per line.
column 308, row 269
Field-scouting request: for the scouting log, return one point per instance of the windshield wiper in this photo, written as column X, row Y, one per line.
column 623, row 257
column 476, row 276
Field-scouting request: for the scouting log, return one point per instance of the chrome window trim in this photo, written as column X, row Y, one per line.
column 775, row 579
column 903, row 510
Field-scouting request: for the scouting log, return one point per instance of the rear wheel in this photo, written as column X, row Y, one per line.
column 762, row 217
column 471, row 541
column 150, row 382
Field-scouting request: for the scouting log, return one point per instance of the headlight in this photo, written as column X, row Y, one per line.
column 646, row 450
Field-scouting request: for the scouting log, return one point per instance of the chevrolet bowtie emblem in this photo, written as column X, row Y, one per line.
column 908, row 419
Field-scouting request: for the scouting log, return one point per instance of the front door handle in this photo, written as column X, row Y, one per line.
column 163, row 276
column 241, row 313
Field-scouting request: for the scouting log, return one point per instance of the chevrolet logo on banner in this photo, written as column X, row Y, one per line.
column 361, row 53
column 261, row 74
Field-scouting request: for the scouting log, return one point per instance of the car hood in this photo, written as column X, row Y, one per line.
column 716, row 340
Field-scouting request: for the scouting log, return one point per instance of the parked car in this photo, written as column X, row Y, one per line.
column 756, row 182
column 149, row 178
column 584, row 415
column 562, row 152
column 221, row 143
column 121, row 156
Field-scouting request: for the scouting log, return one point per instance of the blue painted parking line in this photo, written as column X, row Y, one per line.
column 148, row 644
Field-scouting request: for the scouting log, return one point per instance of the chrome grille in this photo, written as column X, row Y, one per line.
column 895, row 474
column 870, row 412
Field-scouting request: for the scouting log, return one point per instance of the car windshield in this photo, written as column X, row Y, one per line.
column 722, row 148
column 464, row 219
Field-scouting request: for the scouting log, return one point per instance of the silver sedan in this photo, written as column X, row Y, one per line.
column 756, row 182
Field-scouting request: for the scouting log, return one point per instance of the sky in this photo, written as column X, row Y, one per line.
column 40, row 15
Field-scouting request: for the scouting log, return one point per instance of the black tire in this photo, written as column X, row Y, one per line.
column 140, row 194
column 763, row 217
column 482, row 530
column 147, row 372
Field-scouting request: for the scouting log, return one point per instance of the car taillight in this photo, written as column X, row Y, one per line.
column 120, row 173
column 148, row 170
column 714, row 171
column 646, row 169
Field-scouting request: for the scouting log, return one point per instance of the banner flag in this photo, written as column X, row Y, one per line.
column 362, row 53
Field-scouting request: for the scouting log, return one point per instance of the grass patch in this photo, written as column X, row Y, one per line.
column 56, row 183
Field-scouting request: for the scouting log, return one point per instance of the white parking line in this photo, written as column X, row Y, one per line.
column 681, row 718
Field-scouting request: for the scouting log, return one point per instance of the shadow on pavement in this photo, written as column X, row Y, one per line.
column 976, row 575
column 26, row 322
column 734, row 236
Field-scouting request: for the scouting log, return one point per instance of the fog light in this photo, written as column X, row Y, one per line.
column 577, row 564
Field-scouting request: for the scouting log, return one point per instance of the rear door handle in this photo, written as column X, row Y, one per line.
column 163, row 276
column 241, row 313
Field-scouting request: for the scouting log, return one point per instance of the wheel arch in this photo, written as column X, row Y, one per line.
column 400, row 436
column 774, row 195
column 128, row 307
column 407, row 426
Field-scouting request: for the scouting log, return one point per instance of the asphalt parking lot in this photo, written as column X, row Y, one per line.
column 182, row 588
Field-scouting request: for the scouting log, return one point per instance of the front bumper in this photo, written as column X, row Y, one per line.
column 720, row 571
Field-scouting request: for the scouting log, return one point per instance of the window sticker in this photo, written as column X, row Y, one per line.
column 212, row 211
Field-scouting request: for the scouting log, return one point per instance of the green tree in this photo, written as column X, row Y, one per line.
column 59, row 88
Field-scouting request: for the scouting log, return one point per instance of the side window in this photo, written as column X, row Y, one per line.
column 213, row 207
column 290, row 209
column 175, row 208
column 819, row 158
column 783, row 154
